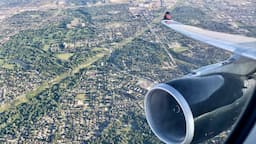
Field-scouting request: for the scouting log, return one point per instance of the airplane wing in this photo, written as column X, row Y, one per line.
column 240, row 45
column 174, row 109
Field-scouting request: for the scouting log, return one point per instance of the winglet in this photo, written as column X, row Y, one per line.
column 167, row 16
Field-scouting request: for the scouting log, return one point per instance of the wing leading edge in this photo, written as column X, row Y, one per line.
column 239, row 45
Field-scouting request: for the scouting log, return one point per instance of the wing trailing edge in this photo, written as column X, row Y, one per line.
column 239, row 45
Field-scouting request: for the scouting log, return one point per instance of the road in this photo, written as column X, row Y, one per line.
column 10, row 12
column 25, row 97
column 48, row 84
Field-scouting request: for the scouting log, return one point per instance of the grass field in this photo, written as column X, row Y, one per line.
column 1, row 62
column 46, row 47
column 8, row 66
column 4, row 64
column 80, row 96
column 64, row 56
column 179, row 49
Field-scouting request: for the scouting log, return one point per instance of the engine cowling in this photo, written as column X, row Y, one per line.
column 193, row 109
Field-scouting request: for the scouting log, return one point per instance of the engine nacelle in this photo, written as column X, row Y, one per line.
column 193, row 109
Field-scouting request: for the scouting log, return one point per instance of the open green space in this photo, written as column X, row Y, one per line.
column 8, row 66
column 25, row 98
column 64, row 56
column 80, row 96
column 4, row 64
column 1, row 62
column 179, row 49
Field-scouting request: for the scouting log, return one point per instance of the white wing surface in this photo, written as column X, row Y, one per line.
column 239, row 45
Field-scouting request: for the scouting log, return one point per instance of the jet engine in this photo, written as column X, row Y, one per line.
column 195, row 108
